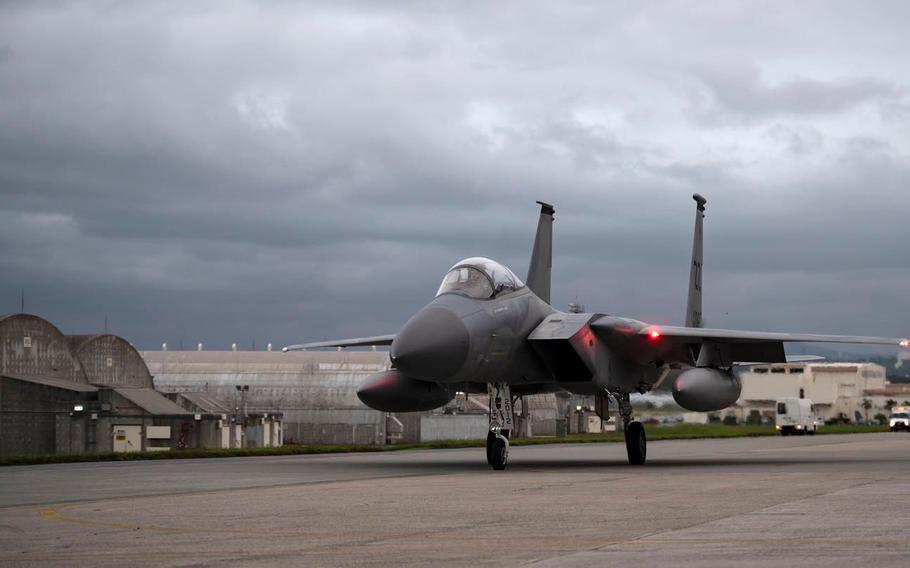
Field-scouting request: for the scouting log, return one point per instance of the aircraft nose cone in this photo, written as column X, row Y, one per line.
column 432, row 345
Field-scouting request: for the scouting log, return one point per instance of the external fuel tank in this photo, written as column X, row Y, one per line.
column 704, row 389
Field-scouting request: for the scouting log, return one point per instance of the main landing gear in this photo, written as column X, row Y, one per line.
column 501, row 425
column 636, row 441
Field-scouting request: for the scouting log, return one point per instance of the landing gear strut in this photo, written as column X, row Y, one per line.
column 501, row 425
column 636, row 441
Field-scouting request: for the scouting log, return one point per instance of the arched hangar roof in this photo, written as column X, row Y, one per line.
column 31, row 346
column 110, row 361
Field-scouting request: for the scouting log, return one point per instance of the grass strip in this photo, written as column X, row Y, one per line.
column 673, row 432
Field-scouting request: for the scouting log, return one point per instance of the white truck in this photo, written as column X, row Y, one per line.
column 900, row 418
column 795, row 416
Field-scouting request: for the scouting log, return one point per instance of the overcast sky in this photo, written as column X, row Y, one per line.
column 225, row 171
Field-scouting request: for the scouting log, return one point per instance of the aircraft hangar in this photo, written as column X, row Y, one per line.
column 316, row 393
column 72, row 393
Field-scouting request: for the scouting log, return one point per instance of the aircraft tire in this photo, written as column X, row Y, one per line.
column 498, row 453
column 490, row 438
column 636, row 443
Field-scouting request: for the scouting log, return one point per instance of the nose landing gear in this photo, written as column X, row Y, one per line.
column 501, row 425
column 497, row 450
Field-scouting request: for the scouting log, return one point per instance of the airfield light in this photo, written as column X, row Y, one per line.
column 905, row 343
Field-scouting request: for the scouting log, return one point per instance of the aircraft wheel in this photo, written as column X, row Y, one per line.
column 812, row 432
column 498, row 453
column 490, row 438
column 636, row 443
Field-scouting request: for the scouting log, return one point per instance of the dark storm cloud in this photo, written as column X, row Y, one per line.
column 286, row 172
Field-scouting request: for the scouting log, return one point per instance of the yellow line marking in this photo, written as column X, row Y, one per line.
column 53, row 514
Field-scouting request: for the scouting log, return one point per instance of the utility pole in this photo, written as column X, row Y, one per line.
column 22, row 301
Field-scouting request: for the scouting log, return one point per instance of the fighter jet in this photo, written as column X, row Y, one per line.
column 487, row 331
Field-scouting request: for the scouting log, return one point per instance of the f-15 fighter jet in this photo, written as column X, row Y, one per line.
column 487, row 331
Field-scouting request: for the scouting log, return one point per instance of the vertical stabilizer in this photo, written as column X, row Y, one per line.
column 538, row 279
column 693, row 305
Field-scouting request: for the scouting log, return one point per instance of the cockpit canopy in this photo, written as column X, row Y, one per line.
column 479, row 278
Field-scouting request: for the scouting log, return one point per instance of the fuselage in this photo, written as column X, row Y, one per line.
column 476, row 332
column 457, row 339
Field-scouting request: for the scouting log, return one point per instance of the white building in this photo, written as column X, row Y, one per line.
column 835, row 388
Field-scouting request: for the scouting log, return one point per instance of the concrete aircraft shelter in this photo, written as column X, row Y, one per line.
column 31, row 346
column 40, row 381
column 75, row 393
column 108, row 360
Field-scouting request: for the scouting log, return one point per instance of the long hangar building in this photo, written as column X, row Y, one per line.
column 316, row 393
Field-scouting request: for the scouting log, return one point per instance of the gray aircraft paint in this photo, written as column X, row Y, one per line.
column 693, row 303
column 705, row 389
column 541, row 266
column 496, row 333
column 392, row 391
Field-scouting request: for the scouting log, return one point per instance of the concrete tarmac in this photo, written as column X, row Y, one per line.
column 837, row 500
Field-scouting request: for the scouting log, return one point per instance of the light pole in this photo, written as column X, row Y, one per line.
column 243, row 389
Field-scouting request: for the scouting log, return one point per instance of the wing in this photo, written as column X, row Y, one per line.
column 790, row 359
column 736, row 336
column 649, row 343
column 355, row 342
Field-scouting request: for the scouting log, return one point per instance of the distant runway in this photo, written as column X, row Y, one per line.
column 804, row 501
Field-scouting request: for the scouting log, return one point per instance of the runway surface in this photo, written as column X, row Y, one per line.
column 808, row 501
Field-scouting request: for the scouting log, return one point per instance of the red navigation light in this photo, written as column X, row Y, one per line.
column 654, row 335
